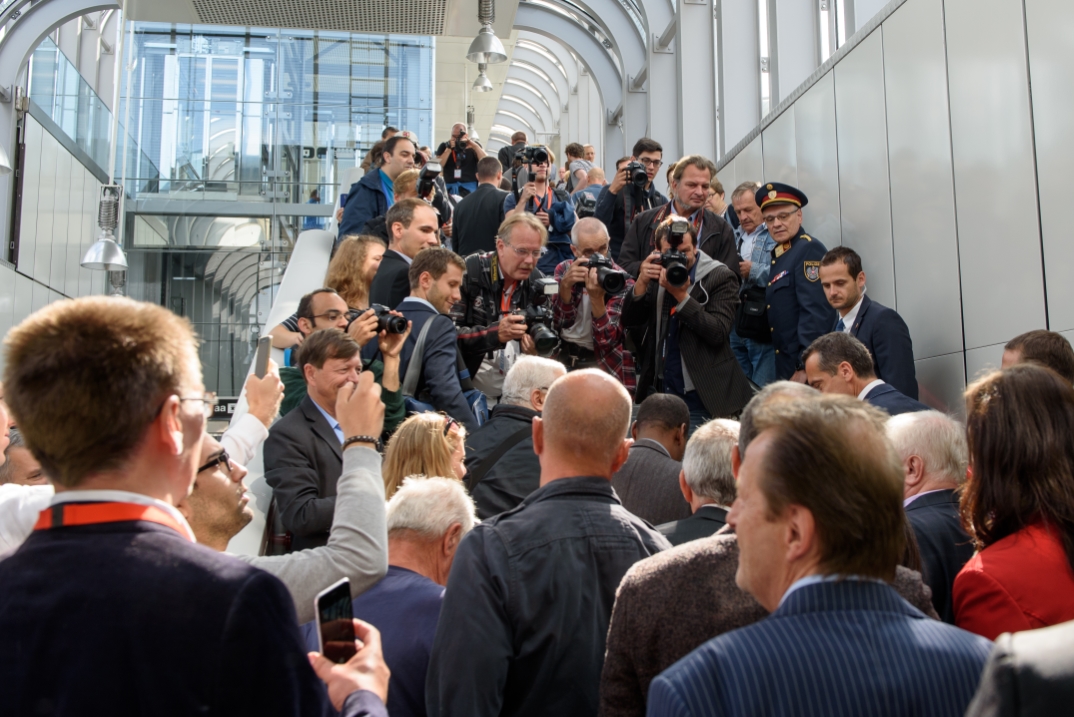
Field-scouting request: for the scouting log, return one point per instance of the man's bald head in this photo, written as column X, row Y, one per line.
column 585, row 420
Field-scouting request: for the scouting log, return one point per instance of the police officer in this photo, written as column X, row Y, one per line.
column 798, row 311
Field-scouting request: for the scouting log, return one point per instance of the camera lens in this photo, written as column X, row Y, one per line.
column 677, row 273
column 613, row 282
column 544, row 338
column 391, row 324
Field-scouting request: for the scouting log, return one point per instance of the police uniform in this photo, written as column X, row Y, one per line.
column 798, row 311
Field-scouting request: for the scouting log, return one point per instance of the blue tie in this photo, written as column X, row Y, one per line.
column 840, row 326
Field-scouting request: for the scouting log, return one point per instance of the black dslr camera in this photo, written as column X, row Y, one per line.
column 538, row 317
column 427, row 177
column 534, row 155
column 636, row 175
column 462, row 141
column 610, row 279
column 674, row 261
column 388, row 322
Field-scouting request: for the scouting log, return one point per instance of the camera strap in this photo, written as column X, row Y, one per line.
column 506, row 295
column 417, row 360
column 67, row 514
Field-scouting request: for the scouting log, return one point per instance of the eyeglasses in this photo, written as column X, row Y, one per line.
column 655, row 163
column 220, row 458
column 207, row 401
column 330, row 315
column 448, row 423
column 523, row 253
column 782, row 217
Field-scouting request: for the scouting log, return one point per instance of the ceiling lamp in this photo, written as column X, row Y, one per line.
column 486, row 47
column 482, row 84
column 106, row 254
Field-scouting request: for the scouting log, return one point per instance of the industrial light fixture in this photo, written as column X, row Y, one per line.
column 106, row 254
column 482, row 84
column 486, row 47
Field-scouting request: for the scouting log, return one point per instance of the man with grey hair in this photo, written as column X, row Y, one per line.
column 501, row 467
column 585, row 315
column 932, row 448
column 427, row 518
column 706, row 481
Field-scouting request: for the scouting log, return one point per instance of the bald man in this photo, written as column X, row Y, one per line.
column 531, row 591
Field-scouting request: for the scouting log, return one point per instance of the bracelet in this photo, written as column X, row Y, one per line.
column 359, row 439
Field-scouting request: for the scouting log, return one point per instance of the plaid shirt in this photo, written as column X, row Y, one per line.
column 607, row 334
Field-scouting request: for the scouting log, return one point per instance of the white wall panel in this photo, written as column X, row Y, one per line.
column 30, row 196
column 927, row 289
column 24, row 298
column 796, row 42
column 995, row 178
column 818, row 160
column 61, row 217
column 76, row 223
column 739, row 67
column 980, row 361
column 865, row 199
column 941, row 381
column 7, row 304
column 780, row 156
column 749, row 164
column 46, row 204
column 1050, row 28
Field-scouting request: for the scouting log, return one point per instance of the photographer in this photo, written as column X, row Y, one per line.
column 626, row 197
column 689, row 192
column 498, row 287
column 680, row 314
column 533, row 194
column 459, row 157
column 410, row 185
column 586, row 314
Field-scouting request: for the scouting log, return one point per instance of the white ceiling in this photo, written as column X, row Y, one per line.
column 455, row 76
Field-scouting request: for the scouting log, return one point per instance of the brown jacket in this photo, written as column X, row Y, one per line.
column 675, row 601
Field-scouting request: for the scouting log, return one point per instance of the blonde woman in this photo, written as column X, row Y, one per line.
column 428, row 444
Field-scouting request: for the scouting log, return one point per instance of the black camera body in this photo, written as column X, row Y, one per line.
column 585, row 205
column 387, row 322
column 538, row 316
column 427, row 177
column 636, row 175
column 462, row 142
column 675, row 261
column 613, row 281
column 534, row 154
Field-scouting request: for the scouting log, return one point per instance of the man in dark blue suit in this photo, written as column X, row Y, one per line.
column 435, row 277
column 797, row 309
column 110, row 607
column 839, row 363
column 881, row 329
column 820, row 531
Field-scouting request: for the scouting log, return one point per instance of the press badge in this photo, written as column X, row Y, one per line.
column 458, row 174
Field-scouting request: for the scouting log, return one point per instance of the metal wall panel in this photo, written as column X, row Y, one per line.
column 865, row 199
column 995, row 177
column 864, row 11
column 818, row 160
column 61, row 217
column 749, row 164
column 24, row 299
column 927, row 292
column 941, row 381
column 30, row 197
column 46, row 205
column 76, row 224
column 7, row 305
column 980, row 361
column 1050, row 28
column 797, row 52
column 740, row 84
column 780, row 156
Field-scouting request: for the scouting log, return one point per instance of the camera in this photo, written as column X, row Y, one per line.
column 534, row 155
column 462, row 141
column 427, row 177
column 674, row 261
column 538, row 316
column 610, row 279
column 585, row 205
column 636, row 174
column 388, row 322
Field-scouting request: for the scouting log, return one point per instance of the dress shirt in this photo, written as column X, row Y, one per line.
column 406, row 258
column 869, row 387
column 419, row 300
column 331, row 422
column 817, row 579
column 243, row 437
column 122, row 496
column 912, row 498
column 848, row 320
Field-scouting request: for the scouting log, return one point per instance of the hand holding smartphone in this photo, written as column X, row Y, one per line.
column 264, row 346
column 335, row 622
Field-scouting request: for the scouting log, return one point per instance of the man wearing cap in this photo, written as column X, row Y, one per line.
column 798, row 311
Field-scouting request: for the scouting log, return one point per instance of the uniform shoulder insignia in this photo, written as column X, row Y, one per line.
column 811, row 269
column 807, row 237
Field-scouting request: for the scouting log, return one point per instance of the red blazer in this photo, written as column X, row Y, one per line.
column 1021, row 582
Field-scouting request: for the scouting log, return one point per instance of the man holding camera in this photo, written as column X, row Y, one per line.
column 629, row 193
column 551, row 205
column 680, row 314
column 459, row 157
column 374, row 193
column 589, row 303
column 412, row 225
column 690, row 192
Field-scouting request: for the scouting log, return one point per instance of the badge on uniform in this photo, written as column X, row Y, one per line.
column 811, row 269
column 777, row 278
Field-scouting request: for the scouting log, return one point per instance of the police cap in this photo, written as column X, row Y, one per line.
column 778, row 193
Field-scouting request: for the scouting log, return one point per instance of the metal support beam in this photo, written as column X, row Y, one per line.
column 664, row 105
column 738, row 40
column 697, row 77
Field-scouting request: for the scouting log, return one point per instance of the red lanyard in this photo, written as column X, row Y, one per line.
column 505, row 298
column 539, row 203
column 64, row 514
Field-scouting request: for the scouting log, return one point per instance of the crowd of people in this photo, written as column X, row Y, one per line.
column 579, row 449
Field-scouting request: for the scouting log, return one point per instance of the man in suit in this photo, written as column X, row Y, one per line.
column 479, row 215
column 839, row 363
column 881, row 329
column 671, row 603
column 797, row 311
column 1028, row 674
column 819, row 522
column 413, row 226
column 706, row 481
column 932, row 448
column 648, row 483
column 683, row 331
column 112, row 564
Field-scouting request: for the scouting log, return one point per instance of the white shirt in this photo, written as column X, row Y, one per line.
column 581, row 332
column 19, row 507
column 848, row 320
column 242, row 438
column 746, row 250
column 122, row 496
column 869, row 387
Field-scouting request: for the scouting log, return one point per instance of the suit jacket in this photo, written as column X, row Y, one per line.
column 943, row 544
column 892, row 401
column 477, row 220
column 886, row 336
column 832, row 648
column 83, row 610
column 1030, row 674
column 671, row 603
column 303, row 462
column 648, row 484
column 391, row 283
column 705, row 521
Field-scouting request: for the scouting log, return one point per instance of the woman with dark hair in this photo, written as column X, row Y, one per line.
column 1018, row 503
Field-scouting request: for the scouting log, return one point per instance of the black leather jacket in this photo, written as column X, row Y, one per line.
column 516, row 474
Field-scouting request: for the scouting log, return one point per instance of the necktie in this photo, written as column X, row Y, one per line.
column 840, row 326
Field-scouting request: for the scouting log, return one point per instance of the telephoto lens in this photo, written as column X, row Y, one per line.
column 387, row 322
column 610, row 279
column 675, row 264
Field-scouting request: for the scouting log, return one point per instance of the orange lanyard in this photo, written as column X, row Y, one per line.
column 65, row 514
column 505, row 298
column 539, row 203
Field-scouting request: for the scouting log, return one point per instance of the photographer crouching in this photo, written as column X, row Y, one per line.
column 533, row 193
column 680, row 314
column 459, row 157
column 588, row 306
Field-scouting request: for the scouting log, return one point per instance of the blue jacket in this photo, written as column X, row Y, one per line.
column 798, row 310
column 365, row 200
column 891, row 400
column 831, row 649
column 761, row 258
column 886, row 336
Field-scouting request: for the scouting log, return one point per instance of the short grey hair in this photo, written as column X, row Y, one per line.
column 430, row 506
column 14, row 441
column 781, row 389
column 938, row 439
column 529, row 373
column 706, row 464
column 745, row 188
column 588, row 225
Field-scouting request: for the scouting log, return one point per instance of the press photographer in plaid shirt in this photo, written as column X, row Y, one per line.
column 585, row 315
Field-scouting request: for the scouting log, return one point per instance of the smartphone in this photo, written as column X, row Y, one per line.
column 264, row 344
column 335, row 622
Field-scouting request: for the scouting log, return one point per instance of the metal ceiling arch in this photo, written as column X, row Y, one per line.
column 509, row 104
column 541, row 94
column 568, row 64
column 510, row 119
column 539, row 85
column 627, row 45
column 516, row 92
column 534, row 64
